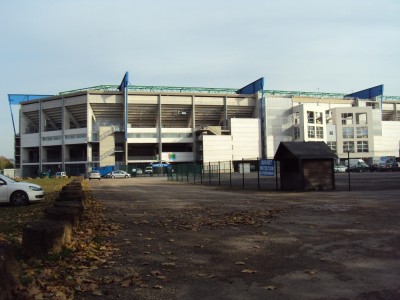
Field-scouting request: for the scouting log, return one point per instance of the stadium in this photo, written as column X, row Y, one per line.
column 131, row 126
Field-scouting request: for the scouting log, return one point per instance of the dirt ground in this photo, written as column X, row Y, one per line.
column 180, row 241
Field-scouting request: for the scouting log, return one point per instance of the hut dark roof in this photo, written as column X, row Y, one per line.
column 304, row 150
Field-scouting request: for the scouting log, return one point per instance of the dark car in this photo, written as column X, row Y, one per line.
column 359, row 168
column 385, row 167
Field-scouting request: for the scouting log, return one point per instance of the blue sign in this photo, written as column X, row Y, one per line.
column 160, row 165
column 267, row 167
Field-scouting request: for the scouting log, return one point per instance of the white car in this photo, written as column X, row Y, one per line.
column 339, row 168
column 149, row 170
column 19, row 193
column 61, row 175
column 94, row 174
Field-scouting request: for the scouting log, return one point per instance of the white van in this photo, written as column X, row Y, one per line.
column 61, row 175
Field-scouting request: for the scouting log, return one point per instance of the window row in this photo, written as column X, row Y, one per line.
column 313, row 132
column 155, row 135
column 349, row 118
column 348, row 132
column 362, row 146
column 315, row 117
column 67, row 137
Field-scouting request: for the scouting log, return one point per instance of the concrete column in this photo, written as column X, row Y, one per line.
column 194, row 143
column 41, row 128
column 126, row 100
column 225, row 122
column 89, row 153
column 159, row 128
column 63, row 133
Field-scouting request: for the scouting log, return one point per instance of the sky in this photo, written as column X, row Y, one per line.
column 340, row 46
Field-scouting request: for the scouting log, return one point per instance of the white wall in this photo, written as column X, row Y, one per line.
column 30, row 140
column 246, row 138
column 388, row 143
column 179, row 157
column 217, row 148
column 279, row 123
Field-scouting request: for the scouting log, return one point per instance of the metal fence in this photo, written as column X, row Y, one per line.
column 245, row 175
column 236, row 174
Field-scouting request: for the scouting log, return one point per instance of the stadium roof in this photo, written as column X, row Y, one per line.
column 156, row 89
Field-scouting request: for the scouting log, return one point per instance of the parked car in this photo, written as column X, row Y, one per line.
column 359, row 168
column 19, row 193
column 148, row 170
column 339, row 168
column 61, row 175
column 385, row 167
column 139, row 171
column 118, row 174
column 94, row 174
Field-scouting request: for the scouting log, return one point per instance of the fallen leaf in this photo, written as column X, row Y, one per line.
column 155, row 273
column 239, row 263
column 168, row 264
column 158, row 287
column 249, row 271
column 97, row 293
column 126, row 283
column 310, row 272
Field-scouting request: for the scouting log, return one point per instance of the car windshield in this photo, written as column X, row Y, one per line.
column 8, row 179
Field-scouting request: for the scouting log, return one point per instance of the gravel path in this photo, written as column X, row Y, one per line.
column 180, row 241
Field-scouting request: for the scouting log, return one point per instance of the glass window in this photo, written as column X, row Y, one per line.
column 310, row 117
column 328, row 116
column 362, row 132
column 347, row 119
column 318, row 117
column 320, row 132
column 311, row 132
column 296, row 132
column 332, row 145
column 361, row 118
column 348, row 146
column 362, row 146
column 296, row 118
column 348, row 132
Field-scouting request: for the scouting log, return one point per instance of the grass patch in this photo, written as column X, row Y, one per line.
column 12, row 219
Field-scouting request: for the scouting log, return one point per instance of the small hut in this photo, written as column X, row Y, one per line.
column 306, row 166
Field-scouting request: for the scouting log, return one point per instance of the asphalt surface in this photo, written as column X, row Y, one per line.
column 186, row 241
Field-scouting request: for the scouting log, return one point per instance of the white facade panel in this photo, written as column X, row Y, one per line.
column 278, row 123
column 331, row 133
column 246, row 138
column 388, row 144
column 217, row 148
column 30, row 140
column 177, row 157
column 52, row 138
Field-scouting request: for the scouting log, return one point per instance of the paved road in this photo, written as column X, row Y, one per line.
column 182, row 241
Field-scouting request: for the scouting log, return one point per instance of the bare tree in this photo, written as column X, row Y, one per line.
column 5, row 163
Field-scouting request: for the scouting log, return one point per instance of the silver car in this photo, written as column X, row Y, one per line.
column 19, row 193
column 94, row 174
column 118, row 174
